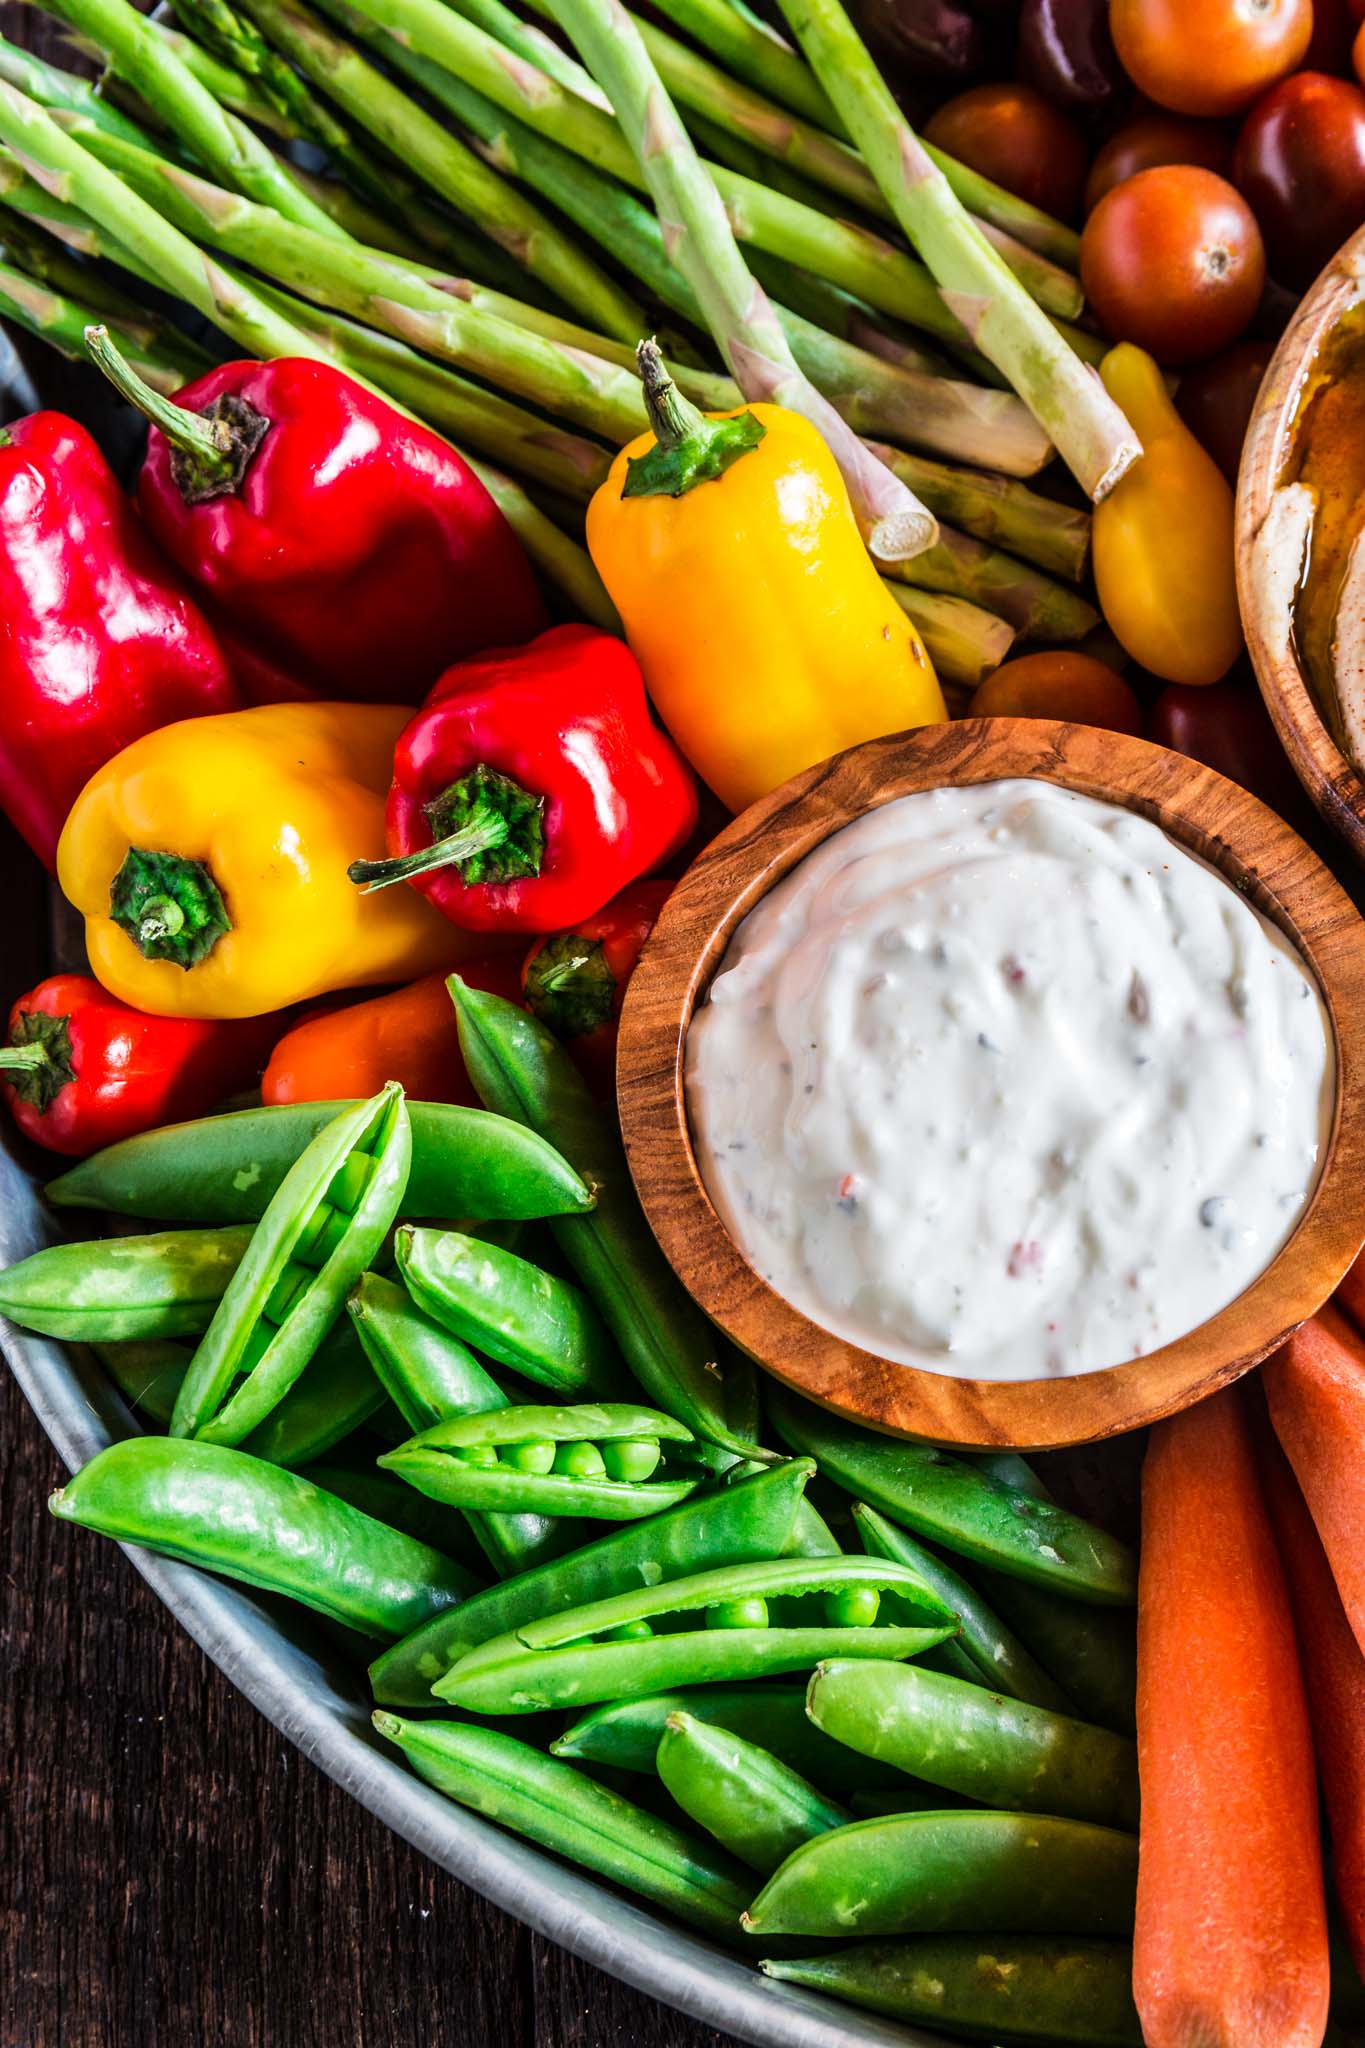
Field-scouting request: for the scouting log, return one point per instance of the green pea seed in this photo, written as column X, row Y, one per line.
column 293, row 1279
column 629, row 1632
column 856, row 1607
column 579, row 1461
column 631, row 1458
column 350, row 1181
column 752, row 1613
column 535, row 1457
column 311, row 1234
column 481, row 1455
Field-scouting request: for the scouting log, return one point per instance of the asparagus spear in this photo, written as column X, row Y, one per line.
column 31, row 248
column 1037, row 607
column 61, row 321
column 1091, row 434
column 471, row 187
column 216, row 138
column 964, row 642
column 227, row 84
column 54, row 88
column 1041, row 530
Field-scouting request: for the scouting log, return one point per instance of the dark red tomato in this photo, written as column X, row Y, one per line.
column 1329, row 46
column 1066, row 50
column 1300, row 163
column 1215, row 399
column 1172, row 260
column 1356, row 9
column 1064, row 685
column 1209, row 57
column 1227, row 727
column 1012, row 134
column 1152, row 140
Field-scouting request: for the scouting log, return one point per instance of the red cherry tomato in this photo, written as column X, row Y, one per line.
column 1012, row 134
column 1209, row 56
column 1059, row 685
column 1215, row 400
column 1300, row 163
column 1172, row 260
column 1227, row 727
column 1152, row 140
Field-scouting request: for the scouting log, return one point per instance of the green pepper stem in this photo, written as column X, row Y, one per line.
column 485, row 825
column 690, row 448
column 210, row 449
column 28, row 1057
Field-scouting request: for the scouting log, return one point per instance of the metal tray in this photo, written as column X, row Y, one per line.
column 296, row 1676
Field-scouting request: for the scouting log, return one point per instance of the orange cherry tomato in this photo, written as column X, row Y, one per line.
column 1062, row 684
column 1172, row 260
column 1011, row 134
column 1215, row 400
column 1153, row 139
column 1209, row 57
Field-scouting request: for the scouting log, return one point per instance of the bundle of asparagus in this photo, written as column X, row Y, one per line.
column 487, row 225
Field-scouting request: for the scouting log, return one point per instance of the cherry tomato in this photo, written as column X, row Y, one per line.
column 1172, row 260
column 1215, row 400
column 1059, row 685
column 1151, row 140
column 1209, row 56
column 1012, row 134
column 1066, row 50
column 1227, row 727
column 1300, row 163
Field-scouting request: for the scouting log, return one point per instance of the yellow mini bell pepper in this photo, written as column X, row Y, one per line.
column 1163, row 538
column 767, row 639
column 209, row 861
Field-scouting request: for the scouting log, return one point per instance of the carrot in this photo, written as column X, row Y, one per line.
column 1334, row 1670
column 1350, row 1294
column 1230, row 1947
column 1315, row 1386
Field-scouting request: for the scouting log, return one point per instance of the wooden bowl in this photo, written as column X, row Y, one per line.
column 1265, row 587
column 1253, row 848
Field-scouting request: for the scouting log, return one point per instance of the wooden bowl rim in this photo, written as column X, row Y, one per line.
column 1252, row 847
column 1333, row 783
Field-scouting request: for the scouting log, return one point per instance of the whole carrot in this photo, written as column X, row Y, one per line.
column 1350, row 1295
column 1334, row 1670
column 1315, row 1386
column 1230, row 1947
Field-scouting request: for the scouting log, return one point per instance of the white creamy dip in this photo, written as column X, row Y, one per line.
column 1002, row 1082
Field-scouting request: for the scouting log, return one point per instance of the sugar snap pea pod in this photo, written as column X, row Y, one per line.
column 124, row 1289
column 224, row 1169
column 522, row 1071
column 954, row 1872
column 597, row 1461
column 1018, row 1990
column 953, row 1502
column 325, row 1222
column 625, row 1734
column 398, row 1507
column 1090, row 1651
column 757, row 1807
column 600, row 1652
column 1002, row 1752
column 430, row 1375
column 992, row 1654
column 235, row 1514
column 542, row 1326
column 1012, row 1470
column 561, row 1809
column 751, row 1519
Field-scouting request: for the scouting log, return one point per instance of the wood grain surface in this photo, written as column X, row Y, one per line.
column 1262, row 857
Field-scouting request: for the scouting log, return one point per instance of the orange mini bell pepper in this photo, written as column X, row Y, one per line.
column 767, row 639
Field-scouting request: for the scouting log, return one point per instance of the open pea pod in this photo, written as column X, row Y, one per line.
column 625, row 1734
column 715, row 1632
column 745, row 1520
column 326, row 1222
column 596, row 1460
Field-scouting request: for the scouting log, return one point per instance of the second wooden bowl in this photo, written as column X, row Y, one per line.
column 1255, row 850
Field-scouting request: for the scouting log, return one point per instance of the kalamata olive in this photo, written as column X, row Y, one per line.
column 915, row 38
column 1215, row 400
column 1012, row 135
column 1227, row 727
column 1300, row 165
column 1066, row 50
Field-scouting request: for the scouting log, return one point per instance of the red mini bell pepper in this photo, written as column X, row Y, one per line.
column 532, row 786
column 101, row 641
column 82, row 1069
column 350, row 544
column 575, row 982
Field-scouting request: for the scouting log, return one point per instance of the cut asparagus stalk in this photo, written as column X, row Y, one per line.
column 217, row 139
column 1037, row 607
column 1009, row 515
column 409, row 133
column 61, row 321
column 964, row 642
column 1090, row 433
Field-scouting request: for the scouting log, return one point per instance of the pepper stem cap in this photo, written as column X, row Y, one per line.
column 171, row 908
column 485, row 825
column 690, row 448
column 210, row 450
column 38, row 1061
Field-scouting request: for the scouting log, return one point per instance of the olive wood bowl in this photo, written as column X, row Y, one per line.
column 1234, row 832
column 1266, row 580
